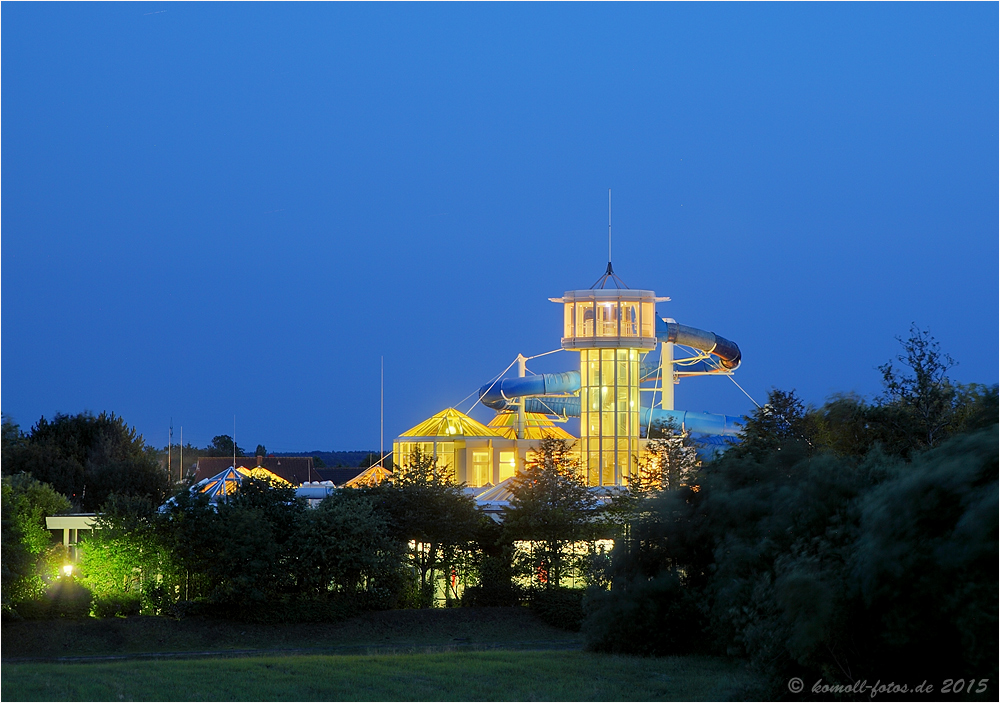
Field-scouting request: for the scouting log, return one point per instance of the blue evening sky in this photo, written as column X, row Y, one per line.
column 212, row 210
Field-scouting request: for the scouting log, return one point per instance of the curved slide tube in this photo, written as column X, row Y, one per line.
column 499, row 394
column 727, row 351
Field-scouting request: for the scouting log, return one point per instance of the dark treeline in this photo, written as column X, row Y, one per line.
column 853, row 541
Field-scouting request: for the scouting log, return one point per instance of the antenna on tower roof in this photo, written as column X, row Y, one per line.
column 609, row 230
column 610, row 272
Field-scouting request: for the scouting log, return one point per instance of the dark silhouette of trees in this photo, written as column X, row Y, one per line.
column 87, row 458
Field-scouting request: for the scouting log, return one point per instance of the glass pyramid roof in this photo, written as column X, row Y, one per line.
column 450, row 423
column 370, row 477
column 227, row 482
column 537, row 426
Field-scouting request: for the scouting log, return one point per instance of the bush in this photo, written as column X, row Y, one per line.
column 559, row 607
column 657, row 617
column 65, row 598
column 496, row 587
column 116, row 605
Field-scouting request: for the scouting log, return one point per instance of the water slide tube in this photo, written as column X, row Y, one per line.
column 499, row 394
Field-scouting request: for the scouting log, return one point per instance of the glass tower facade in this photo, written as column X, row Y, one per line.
column 612, row 329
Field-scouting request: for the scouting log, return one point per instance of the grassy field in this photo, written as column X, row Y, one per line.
column 457, row 654
column 455, row 676
column 46, row 639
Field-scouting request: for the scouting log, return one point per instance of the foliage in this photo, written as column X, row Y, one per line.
column 659, row 616
column 27, row 544
column 921, row 391
column 431, row 515
column 65, row 597
column 251, row 544
column 926, row 562
column 919, row 407
column 223, row 445
column 87, row 458
column 550, row 508
column 122, row 558
column 668, row 463
column 559, row 607
column 817, row 564
column 781, row 423
column 115, row 605
column 344, row 546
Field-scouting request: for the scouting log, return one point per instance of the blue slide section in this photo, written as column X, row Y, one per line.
column 698, row 423
column 539, row 389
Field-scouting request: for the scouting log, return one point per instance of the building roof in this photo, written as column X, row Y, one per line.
column 294, row 469
column 498, row 494
column 449, row 424
column 537, row 426
column 228, row 481
column 370, row 477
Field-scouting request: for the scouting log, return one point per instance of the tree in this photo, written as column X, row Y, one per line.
column 123, row 554
column 344, row 546
column 918, row 395
column 431, row 514
column 223, row 445
column 780, row 423
column 87, row 458
column 669, row 460
column 550, row 506
column 26, row 541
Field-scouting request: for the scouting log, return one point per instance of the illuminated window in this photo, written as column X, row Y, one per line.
column 584, row 319
column 648, row 319
column 508, row 464
column 482, row 468
column 630, row 320
column 607, row 319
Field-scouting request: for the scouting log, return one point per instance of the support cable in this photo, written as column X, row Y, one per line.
column 744, row 392
column 494, row 382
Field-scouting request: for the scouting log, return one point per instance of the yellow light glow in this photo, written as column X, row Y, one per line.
column 68, row 569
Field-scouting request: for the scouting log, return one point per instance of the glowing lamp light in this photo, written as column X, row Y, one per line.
column 68, row 570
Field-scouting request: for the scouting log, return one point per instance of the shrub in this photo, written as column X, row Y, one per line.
column 656, row 617
column 559, row 607
column 65, row 598
column 116, row 605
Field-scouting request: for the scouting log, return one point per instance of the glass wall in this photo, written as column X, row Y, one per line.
column 443, row 451
column 608, row 318
column 481, row 470
column 609, row 414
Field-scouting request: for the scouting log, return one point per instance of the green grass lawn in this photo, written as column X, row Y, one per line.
column 394, row 629
column 448, row 675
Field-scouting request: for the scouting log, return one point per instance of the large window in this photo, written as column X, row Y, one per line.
column 444, row 452
column 481, row 471
column 508, row 464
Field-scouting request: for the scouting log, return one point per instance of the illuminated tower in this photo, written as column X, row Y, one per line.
column 612, row 328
